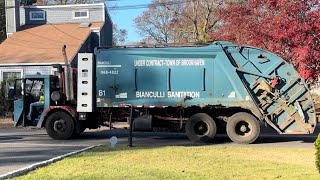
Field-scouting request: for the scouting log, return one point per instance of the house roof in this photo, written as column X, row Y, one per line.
column 43, row 44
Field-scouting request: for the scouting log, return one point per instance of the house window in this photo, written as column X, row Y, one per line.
column 81, row 14
column 37, row 15
column 11, row 74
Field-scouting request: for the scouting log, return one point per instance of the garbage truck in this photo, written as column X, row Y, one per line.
column 202, row 90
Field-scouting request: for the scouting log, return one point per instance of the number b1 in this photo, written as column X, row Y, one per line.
column 102, row 92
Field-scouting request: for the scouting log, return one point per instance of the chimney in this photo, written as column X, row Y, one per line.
column 12, row 16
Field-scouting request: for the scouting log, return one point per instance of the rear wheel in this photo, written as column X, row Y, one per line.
column 201, row 128
column 243, row 128
column 60, row 126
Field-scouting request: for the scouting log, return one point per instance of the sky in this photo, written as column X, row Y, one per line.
column 124, row 19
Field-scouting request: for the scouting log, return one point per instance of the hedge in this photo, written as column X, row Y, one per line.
column 317, row 146
column 5, row 105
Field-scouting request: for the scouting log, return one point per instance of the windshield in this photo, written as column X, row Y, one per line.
column 34, row 87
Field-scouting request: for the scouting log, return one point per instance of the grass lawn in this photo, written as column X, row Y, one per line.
column 178, row 162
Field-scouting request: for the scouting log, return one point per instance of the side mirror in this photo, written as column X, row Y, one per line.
column 56, row 96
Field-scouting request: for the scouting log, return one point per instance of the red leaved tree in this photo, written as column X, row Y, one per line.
column 289, row 28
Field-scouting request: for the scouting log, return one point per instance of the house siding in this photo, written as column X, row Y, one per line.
column 106, row 32
column 96, row 36
column 22, row 16
column 27, row 70
column 106, row 36
column 61, row 15
column 102, row 35
column 12, row 16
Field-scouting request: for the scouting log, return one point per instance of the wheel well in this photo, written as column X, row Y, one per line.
column 53, row 111
column 232, row 111
column 220, row 112
column 225, row 112
column 250, row 112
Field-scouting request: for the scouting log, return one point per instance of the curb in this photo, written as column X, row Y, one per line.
column 41, row 164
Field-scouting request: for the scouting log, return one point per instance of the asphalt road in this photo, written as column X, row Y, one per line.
column 22, row 146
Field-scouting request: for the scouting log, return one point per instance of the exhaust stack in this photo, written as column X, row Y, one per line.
column 68, row 78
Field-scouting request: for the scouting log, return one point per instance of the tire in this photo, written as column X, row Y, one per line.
column 243, row 128
column 60, row 126
column 201, row 128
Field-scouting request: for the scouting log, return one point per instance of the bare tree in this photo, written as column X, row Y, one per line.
column 119, row 35
column 42, row 2
column 156, row 22
column 182, row 21
column 198, row 18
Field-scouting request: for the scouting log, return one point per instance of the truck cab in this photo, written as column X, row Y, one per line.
column 46, row 101
column 27, row 91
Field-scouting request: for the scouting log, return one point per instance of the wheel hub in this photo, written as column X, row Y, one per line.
column 201, row 128
column 59, row 125
column 243, row 128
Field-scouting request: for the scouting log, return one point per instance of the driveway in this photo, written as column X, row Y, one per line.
column 21, row 147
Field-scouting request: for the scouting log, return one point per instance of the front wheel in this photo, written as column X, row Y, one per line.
column 243, row 128
column 201, row 128
column 60, row 126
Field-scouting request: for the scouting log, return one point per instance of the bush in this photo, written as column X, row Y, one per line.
column 316, row 100
column 5, row 105
column 317, row 145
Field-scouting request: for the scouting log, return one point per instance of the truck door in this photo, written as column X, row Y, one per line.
column 33, row 100
column 26, row 94
column 14, row 92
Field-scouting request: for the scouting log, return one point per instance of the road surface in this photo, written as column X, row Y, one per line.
column 21, row 147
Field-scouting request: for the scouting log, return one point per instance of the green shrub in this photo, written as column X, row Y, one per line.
column 317, row 145
column 5, row 105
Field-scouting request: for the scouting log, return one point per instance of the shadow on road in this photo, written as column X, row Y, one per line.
column 285, row 138
column 178, row 137
column 7, row 138
column 149, row 138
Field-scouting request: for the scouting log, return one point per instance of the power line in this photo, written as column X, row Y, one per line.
column 75, row 45
column 29, row 46
column 128, row 7
column 143, row 6
column 32, row 42
column 64, row 32
column 59, row 29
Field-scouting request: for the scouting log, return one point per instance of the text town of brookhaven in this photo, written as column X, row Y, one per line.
column 176, row 62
